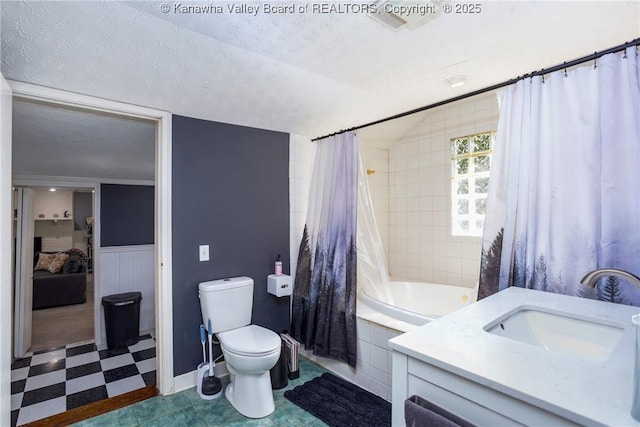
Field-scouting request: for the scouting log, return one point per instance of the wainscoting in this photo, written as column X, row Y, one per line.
column 128, row 269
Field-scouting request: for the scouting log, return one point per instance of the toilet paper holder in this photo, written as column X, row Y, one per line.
column 279, row 285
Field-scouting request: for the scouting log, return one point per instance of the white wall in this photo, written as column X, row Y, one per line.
column 49, row 203
column 128, row 269
column 421, row 246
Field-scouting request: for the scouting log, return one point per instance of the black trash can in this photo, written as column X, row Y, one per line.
column 122, row 319
column 279, row 371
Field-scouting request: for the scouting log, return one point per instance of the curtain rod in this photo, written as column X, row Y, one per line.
column 543, row 71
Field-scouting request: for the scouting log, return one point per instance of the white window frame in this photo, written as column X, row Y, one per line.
column 475, row 220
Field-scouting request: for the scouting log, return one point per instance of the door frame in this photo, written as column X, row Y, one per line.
column 6, row 244
column 163, row 246
column 23, row 282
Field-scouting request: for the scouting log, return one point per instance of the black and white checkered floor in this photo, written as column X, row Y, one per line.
column 52, row 381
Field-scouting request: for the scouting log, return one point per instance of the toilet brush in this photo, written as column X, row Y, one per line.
column 211, row 385
column 211, row 362
column 203, row 339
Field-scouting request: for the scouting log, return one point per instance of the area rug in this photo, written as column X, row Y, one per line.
column 340, row 403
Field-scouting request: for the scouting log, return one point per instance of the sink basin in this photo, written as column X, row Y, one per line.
column 592, row 339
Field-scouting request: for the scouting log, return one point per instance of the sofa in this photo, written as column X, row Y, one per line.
column 53, row 288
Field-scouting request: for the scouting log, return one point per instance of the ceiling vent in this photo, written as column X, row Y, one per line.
column 411, row 14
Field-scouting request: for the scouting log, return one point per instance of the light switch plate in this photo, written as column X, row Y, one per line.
column 204, row 252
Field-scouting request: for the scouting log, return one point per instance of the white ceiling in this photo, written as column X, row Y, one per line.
column 56, row 141
column 308, row 74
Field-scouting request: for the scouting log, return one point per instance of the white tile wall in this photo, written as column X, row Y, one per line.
column 377, row 159
column 373, row 369
column 416, row 219
column 300, row 168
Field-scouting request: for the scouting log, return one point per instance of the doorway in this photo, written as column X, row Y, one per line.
column 63, row 223
column 162, row 251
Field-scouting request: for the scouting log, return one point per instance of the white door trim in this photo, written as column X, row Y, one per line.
column 6, row 243
column 164, row 306
column 24, row 272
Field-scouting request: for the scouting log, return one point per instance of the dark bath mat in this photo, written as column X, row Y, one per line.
column 339, row 403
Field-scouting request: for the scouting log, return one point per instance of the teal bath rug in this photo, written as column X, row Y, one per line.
column 339, row 403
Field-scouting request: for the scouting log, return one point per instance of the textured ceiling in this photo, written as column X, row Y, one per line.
column 54, row 141
column 308, row 74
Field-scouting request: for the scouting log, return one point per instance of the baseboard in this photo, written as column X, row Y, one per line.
column 184, row 381
column 188, row 380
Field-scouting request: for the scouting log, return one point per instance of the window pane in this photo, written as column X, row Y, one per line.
column 463, row 206
column 462, row 166
column 463, row 186
column 481, row 206
column 460, row 146
column 463, row 224
column 481, row 163
column 479, row 224
column 482, row 185
column 482, row 142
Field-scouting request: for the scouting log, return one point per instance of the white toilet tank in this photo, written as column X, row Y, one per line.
column 227, row 302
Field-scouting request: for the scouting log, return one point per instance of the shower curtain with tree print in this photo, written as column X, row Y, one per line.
column 324, row 296
column 564, row 193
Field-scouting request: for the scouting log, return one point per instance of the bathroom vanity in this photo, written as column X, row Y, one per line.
column 522, row 357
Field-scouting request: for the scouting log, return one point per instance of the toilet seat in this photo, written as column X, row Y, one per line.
column 252, row 340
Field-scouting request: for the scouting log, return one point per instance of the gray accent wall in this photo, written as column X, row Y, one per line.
column 82, row 208
column 127, row 215
column 230, row 191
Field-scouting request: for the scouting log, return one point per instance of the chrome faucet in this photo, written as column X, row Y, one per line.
column 590, row 279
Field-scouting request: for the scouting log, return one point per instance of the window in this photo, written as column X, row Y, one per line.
column 470, row 164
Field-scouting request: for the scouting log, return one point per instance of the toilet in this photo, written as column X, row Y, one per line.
column 249, row 350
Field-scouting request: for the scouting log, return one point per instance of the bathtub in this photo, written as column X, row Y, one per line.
column 414, row 304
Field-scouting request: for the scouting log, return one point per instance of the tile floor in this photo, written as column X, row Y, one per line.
column 188, row 409
column 52, row 381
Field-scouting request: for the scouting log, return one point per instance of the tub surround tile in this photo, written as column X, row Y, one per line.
column 379, row 358
column 380, row 376
column 363, row 351
column 362, row 326
column 378, row 335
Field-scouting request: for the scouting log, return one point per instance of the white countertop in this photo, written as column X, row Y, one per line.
column 583, row 391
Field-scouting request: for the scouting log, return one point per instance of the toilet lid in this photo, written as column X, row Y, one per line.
column 250, row 340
